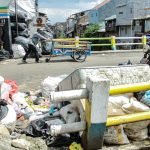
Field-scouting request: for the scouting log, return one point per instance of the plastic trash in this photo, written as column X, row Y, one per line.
column 18, row 51
column 118, row 101
column 115, row 135
column 14, row 86
column 137, row 131
column 134, row 107
column 19, row 99
column 21, row 26
column 75, row 146
column 10, row 116
column 50, row 84
column 146, row 98
column 69, row 114
column 4, row 55
column 5, row 91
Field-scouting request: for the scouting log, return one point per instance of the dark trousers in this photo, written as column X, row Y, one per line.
column 32, row 48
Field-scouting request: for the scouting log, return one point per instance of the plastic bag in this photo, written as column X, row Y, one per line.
column 19, row 99
column 18, row 51
column 69, row 114
column 5, row 91
column 14, row 87
column 134, row 107
column 10, row 117
column 115, row 135
column 118, row 101
column 50, row 84
column 146, row 98
column 137, row 131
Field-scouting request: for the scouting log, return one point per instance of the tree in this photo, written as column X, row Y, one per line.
column 91, row 30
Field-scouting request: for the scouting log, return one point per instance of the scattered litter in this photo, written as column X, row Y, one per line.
column 50, row 84
column 33, row 114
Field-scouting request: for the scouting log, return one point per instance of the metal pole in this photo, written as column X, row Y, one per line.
column 16, row 13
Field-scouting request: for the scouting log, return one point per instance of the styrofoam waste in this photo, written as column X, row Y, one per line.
column 50, row 84
column 18, row 51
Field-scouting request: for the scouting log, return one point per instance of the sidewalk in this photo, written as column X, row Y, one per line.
column 116, row 51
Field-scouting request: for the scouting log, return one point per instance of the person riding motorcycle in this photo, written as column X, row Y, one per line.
column 146, row 57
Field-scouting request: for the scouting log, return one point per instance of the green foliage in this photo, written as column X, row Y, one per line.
column 91, row 30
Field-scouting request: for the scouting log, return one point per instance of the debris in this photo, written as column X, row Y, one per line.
column 75, row 146
column 137, row 131
column 21, row 143
column 115, row 135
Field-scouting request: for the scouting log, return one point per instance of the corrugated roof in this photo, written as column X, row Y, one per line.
column 102, row 4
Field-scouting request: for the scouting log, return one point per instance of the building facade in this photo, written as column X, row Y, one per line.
column 127, row 11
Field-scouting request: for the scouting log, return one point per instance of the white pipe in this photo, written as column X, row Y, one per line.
column 68, row 95
column 67, row 128
column 119, row 44
column 121, row 38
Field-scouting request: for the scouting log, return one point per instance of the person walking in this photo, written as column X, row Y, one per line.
column 30, row 45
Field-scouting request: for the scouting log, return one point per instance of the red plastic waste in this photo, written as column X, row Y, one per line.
column 13, row 85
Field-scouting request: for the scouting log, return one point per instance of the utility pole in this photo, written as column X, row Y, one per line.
column 16, row 13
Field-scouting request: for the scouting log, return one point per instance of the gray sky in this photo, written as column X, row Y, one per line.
column 59, row 10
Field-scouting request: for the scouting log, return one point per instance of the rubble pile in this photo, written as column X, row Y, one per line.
column 30, row 120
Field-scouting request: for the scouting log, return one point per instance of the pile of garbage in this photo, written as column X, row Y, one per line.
column 30, row 119
column 129, row 103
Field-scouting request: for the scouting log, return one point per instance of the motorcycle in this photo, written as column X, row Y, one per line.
column 146, row 57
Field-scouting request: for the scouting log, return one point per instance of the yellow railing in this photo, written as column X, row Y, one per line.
column 112, row 41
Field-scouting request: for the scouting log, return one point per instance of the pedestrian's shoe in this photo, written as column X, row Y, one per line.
column 24, row 61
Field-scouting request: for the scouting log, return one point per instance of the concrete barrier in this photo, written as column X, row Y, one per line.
column 92, row 86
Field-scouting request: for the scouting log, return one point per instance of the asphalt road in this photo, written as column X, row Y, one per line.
column 29, row 76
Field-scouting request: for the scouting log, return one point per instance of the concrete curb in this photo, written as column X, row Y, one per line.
column 117, row 51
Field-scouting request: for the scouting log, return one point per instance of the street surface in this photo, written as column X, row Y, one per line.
column 29, row 76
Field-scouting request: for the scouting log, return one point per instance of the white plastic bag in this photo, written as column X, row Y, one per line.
column 18, row 51
column 10, row 117
column 50, row 84
column 5, row 90
column 134, row 107
column 23, row 107
column 118, row 101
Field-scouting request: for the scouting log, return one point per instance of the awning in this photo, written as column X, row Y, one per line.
column 111, row 18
